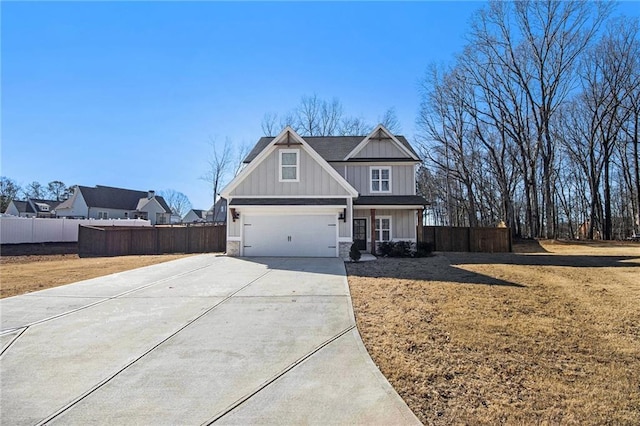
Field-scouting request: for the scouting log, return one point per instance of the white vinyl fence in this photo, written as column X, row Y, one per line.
column 17, row 230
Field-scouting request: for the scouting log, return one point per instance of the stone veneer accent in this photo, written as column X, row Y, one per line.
column 233, row 248
column 343, row 250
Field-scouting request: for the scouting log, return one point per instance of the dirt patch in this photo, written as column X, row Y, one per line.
column 549, row 336
column 38, row 248
column 27, row 273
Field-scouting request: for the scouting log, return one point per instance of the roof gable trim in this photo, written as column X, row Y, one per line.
column 377, row 134
column 287, row 137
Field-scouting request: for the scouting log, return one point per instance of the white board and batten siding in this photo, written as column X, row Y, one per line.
column 403, row 222
column 20, row 230
column 313, row 181
column 402, row 178
column 380, row 149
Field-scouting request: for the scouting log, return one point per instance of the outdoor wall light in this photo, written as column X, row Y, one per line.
column 234, row 214
column 343, row 216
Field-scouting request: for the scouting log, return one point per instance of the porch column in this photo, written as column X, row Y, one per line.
column 420, row 225
column 373, row 232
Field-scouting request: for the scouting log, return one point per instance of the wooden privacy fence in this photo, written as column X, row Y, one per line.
column 450, row 238
column 96, row 241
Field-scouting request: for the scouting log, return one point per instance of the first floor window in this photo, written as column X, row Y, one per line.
column 383, row 229
column 103, row 215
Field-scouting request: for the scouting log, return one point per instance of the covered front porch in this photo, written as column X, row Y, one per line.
column 379, row 219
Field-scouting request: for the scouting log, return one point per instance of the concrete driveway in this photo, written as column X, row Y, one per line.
column 205, row 339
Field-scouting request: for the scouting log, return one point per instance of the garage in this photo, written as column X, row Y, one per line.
column 309, row 235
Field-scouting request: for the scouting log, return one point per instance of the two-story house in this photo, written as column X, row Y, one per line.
column 106, row 202
column 315, row 196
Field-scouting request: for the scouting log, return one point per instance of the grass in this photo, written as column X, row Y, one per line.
column 24, row 274
column 547, row 337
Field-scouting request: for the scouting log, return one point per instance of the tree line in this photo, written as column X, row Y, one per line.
column 535, row 123
column 11, row 190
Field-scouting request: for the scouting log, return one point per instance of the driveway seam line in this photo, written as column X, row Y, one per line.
column 16, row 337
column 103, row 300
column 103, row 382
column 283, row 372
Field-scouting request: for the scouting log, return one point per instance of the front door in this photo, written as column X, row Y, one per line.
column 360, row 233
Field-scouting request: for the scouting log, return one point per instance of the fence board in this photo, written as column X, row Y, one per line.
column 114, row 241
column 449, row 238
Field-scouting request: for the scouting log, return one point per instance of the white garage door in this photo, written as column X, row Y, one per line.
column 290, row 235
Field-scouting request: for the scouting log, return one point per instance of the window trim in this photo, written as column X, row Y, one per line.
column 379, row 230
column 380, row 168
column 297, row 165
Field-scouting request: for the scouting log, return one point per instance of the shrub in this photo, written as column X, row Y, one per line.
column 401, row 249
column 385, row 248
column 395, row 249
column 423, row 249
column 354, row 253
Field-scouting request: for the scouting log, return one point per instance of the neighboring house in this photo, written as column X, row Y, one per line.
column 315, row 196
column 105, row 202
column 195, row 215
column 33, row 207
column 218, row 212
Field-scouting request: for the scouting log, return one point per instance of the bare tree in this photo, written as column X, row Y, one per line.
column 353, row 126
column 390, row 120
column 9, row 190
column 177, row 201
column 218, row 165
column 318, row 117
column 330, row 115
column 539, row 43
column 268, row 124
column 57, row 190
column 34, row 190
column 449, row 140
column 241, row 154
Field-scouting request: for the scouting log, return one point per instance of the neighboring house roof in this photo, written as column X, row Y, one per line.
column 41, row 205
column 219, row 211
column 36, row 205
column 199, row 213
column 21, row 206
column 332, row 148
column 288, row 202
column 114, row 198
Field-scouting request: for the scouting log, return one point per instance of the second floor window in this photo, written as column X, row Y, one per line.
column 103, row 215
column 381, row 179
column 289, row 164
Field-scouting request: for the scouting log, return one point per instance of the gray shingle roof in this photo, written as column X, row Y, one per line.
column 53, row 204
column 390, row 200
column 21, row 206
column 331, row 148
column 116, row 198
column 288, row 202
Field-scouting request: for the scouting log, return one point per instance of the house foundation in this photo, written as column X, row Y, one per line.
column 343, row 249
column 233, row 248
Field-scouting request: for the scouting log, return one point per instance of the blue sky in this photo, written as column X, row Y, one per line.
column 128, row 94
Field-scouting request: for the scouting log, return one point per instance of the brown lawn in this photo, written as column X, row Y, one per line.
column 547, row 335
column 24, row 274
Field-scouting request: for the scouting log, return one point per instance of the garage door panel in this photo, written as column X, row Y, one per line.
column 290, row 235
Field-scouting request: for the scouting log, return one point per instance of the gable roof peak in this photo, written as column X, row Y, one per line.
column 380, row 132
